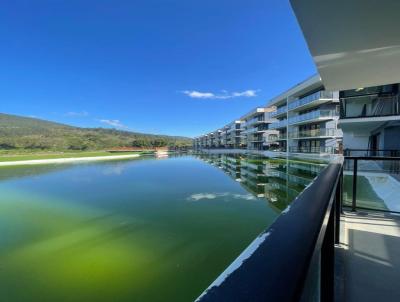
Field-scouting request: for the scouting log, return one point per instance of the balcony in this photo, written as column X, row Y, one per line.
column 314, row 150
column 325, row 132
column 314, row 99
column 256, row 130
column 256, row 120
column 367, row 106
column 277, row 125
column 249, row 131
column 313, row 116
column 280, row 111
column 230, row 130
column 279, row 137
column 255, row 139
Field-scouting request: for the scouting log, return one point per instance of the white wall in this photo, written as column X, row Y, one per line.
column 353, row 140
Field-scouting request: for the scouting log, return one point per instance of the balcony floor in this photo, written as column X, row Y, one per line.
column 368, row 262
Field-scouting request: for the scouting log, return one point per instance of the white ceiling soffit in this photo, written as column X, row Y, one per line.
column 355, row 43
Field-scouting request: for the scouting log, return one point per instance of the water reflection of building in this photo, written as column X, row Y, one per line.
column 279, row 181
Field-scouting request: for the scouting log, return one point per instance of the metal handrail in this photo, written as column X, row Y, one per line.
column 374, row 152
column 299, row 242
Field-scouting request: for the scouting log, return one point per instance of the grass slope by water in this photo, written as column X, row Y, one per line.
column 56, row 155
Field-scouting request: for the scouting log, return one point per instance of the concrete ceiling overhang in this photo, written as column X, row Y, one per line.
column 354, row 43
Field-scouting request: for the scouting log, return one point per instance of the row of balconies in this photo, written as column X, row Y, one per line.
column 314, row 115
column 253, row 132
column 309, row 101
column 254, row 138
column 313, row 133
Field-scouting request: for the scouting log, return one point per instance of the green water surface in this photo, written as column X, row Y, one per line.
column 134, row 230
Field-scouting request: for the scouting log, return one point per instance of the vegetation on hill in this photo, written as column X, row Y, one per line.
column 23, row 133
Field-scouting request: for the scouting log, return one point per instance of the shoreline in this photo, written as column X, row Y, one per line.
column 65, row 160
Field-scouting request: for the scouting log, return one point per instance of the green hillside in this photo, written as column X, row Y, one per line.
column 19, row 133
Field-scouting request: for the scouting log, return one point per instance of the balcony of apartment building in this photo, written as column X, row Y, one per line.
column 255, row 139
column 279, row 124
column 256, row 129
column 280, row 112
column 313, row 149
column 234, row 131
column 369, row 108
column 271, row 136
column 257, row 120
column 278, row 137
column 315, row 133
column 313, row 100
column 313, row 116
column 370, row 121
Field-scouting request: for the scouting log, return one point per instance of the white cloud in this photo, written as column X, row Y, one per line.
column 247, row 93
column 223, row 95
column 77, row 113
column 199, row 95
column 114, row 123
column 210, row 196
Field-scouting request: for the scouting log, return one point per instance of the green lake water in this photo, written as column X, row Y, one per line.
column 135, row 230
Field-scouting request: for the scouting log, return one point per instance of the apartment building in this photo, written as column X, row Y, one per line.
column 234, row 135
column 256, row 130
column 302, row 122
column 310, row 122
column 228, row 137
column 370, row 120
column 306, row 118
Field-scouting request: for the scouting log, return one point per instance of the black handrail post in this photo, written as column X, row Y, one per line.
column 328, row 261
column 341, row 189
column 338, row 207
column 354, row 201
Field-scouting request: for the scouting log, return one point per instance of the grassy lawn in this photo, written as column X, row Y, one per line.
column 52, row 155
column 366, row 196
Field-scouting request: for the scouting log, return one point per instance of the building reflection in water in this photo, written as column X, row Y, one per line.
column 278, row 180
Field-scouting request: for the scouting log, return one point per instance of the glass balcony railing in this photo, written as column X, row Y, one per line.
column 280, row 136
column 256, row 120
column 230, row 130
column 280, row 124
column 318, row 150
column 316, row 114
column 368, row 106
column 279, row 111
column 312, row 98
column 255, row 130
column 314, row 133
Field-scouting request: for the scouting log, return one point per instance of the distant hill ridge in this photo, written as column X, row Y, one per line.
column 19, row 132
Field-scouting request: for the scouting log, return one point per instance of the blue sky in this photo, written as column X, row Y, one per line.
column 158, row 66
